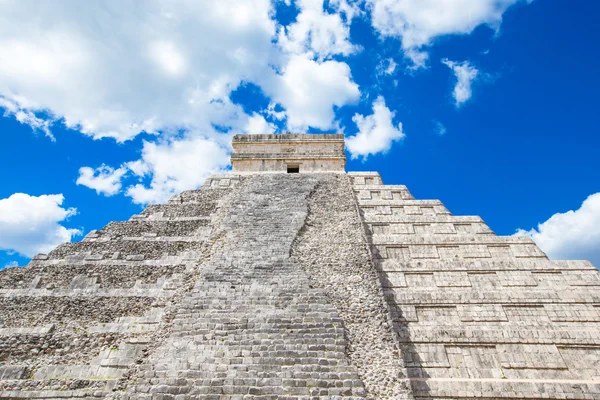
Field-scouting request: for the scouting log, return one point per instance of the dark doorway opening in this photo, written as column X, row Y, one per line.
column 293, row 169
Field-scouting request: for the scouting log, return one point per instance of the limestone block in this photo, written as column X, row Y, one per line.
column 583, row 361
column 411, row 210
column 358, row 180
column 427, row 210
column 451, row 279
column 484, row 280
column 472, row 229
column 397, row 253
column 526, row 356
column 582, row 278
column 527, row 314
column 27, row 331
column 417, row 280
column 393, row 279
column 481, row 313
column 516, row 278
column 400, row 229
column 475, row 251
column 364, row 194
column 476, row 361
column 437, row 315
column 442, row 229
column 426, row 355
column 526, row 250
column 425, row 251
column 500, row 251
column 449, row 252
column 401, row 195
column 12, row 372
column 572, row 312
column 405, row 313
column 383, row 210
column 84, row 282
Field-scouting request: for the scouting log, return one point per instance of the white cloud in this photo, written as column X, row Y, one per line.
column 571, row 235
column 104, row 179
column 391, row 66
column 31, row 224
column 115, row 69
column 169, row 58
column 308, row 90
column 26, row 117
column 318, row 32
column 465, row 74
column 376, row 131
column 176, row 165
column 418, row 22
column 277, row 115
column 258, row 124
column 440, row 129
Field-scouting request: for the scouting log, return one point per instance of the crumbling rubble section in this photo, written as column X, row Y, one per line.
column 333, row 250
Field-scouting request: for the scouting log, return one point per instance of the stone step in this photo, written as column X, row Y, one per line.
column 135, row 250
column 149, row 229
column 61, row 276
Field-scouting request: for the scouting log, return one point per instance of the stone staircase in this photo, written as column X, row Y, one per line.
column 253, row 326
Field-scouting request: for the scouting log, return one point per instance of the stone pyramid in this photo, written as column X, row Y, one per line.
column 320, row 284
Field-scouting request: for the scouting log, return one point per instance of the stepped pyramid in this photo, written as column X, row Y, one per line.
column 289, row 278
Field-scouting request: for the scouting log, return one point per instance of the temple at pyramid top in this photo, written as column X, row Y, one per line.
column 288, row 153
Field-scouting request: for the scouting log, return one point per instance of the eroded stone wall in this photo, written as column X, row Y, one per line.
column 480, row 315
column 274, row 153
column 75, row 322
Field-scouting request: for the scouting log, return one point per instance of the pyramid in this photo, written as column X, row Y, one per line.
column 289, row 278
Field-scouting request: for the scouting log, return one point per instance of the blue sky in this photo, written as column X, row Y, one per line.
column 490, row 106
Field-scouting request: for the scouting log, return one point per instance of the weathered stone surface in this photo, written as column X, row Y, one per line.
column 333, row 250
column 74, row 323
column 278, row 153
column 299, row 286
column 478, row 315
column 254, row 325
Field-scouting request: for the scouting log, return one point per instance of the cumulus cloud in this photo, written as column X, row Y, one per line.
column 26, row 117
column 308, row 90
column 176, row 165
column 571, row 235
column 115, row 69
column 31, row 224
column 318, row 32
column 465, row 74
column 258, row 124
column 418, row 22
column 376, row 132
column 104, row 179
column 118, row 69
